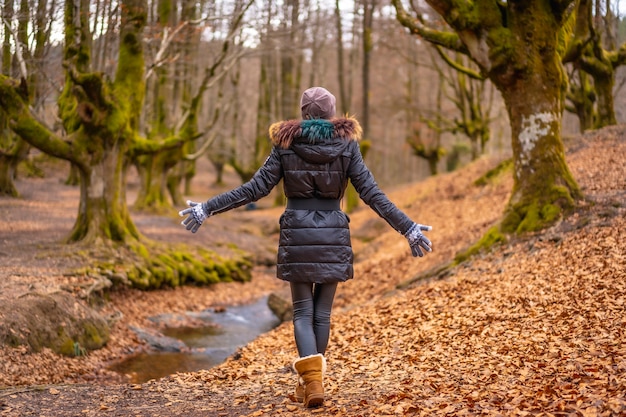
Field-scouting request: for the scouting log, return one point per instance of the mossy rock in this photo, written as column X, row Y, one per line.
column 57, row 321
column 153, row 265
column 280, row 304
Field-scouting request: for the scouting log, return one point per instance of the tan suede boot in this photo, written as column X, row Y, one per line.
column 310, row 371
column 299, row 394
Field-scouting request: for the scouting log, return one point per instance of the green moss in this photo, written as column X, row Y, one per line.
column 537, row 217
column 489, row 239
column 538, row 210
column 550, row 212
column 96, row 335
column 142, row 251
column 157, row 265
column 494, row 173
column 531, row 220
column 150, row 265
column 67, row 347
column 93, row 336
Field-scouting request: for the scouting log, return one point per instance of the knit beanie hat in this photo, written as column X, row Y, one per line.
column 317, row 103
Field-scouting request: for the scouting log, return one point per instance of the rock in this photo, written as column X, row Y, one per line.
column 280, row 304
column 159, row 341
column 57, row 320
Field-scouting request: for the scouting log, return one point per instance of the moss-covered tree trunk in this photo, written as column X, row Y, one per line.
column 153, row 167
column 108, row 125
column 9, row 161
column 581, row 97
column 103, row 214
column 265, row 114
column 543, row 186
column 519, row 46
column 178, row 102
column 604, row 81
column 101, row 122
column 533, row 87
column 33, row 36
column 96, row 151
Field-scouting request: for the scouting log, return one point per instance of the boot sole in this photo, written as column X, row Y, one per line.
column 314, row 401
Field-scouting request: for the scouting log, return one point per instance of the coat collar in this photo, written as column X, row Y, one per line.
column 282, row 134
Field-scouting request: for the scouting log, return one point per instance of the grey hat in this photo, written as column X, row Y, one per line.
column 317, row 103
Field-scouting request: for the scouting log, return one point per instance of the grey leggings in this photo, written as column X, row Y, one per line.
column 312, row 304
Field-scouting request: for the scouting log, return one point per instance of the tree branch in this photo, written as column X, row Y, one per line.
column 618, row 58
column 563, row 8
column 26, row 125
column 457, row 66
column 167, row 39
column 206, row 145
column 448, row 40
column 143, row 146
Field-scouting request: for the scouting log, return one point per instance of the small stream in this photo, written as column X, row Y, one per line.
column 192, row 348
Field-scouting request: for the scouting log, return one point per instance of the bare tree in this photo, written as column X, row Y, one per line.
column 369, row 6
column 472, row 97
column 426, row 143
column 280, row 75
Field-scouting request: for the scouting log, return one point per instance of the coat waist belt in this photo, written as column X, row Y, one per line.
column 313, row 204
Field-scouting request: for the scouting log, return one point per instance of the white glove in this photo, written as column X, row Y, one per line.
column 417, row 240
column 197, row 214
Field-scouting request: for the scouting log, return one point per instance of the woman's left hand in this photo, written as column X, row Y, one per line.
column 417, row 240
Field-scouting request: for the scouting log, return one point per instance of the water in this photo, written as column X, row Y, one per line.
column 208, row 346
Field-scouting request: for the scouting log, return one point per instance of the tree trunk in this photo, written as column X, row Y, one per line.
column 604, row 82
column 33, row 53
column 153, row 171
column 543, row 185
column 8, row 165
column 7, row 173
column 517, row 45
column 7, row 54
column 103, row 128
column 344, row 102
column 582, row 98
column 368, row 45
column 594, row 51
column 532, row 86
column 102, row 213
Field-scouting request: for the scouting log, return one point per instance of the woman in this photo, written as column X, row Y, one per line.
column 315, row 157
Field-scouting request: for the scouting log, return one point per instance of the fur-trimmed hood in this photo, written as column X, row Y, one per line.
column 283, row 134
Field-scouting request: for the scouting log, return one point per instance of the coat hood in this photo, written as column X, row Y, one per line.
column 316, row 140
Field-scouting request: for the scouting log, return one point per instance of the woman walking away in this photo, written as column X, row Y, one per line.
column 315, row 157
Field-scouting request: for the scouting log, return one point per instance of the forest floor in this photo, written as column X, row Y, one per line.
column 536, row 326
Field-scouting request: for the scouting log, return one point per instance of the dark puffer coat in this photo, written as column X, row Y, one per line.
column 316, row 158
